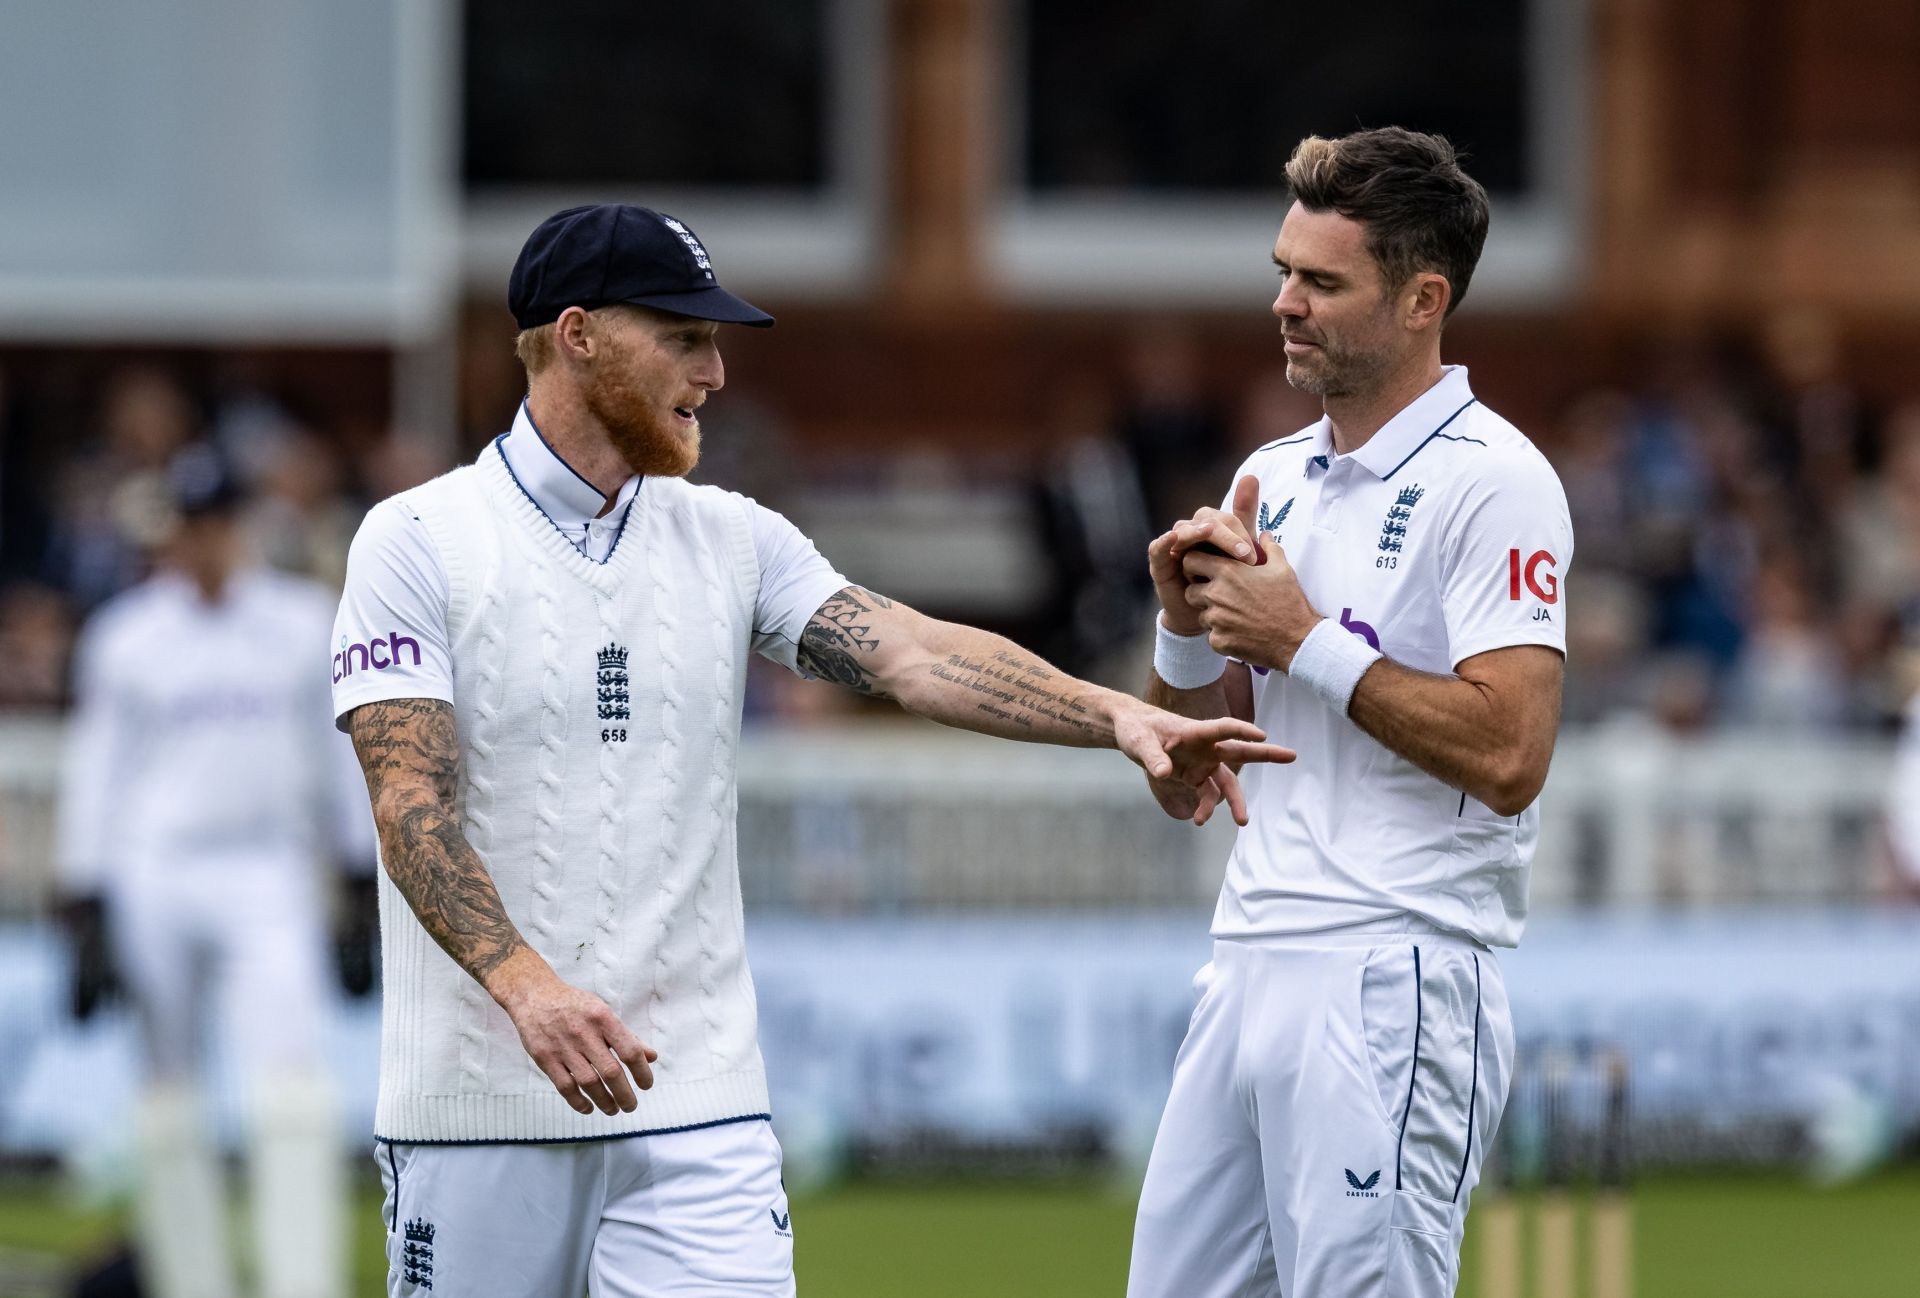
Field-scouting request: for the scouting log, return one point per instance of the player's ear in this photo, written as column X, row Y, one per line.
column 1426, row 297
column 573, row 334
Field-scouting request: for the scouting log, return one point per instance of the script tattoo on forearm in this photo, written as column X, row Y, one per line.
column 833, row 642
column 410, row 755
column 1016, row 690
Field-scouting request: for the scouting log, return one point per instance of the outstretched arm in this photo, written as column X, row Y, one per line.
column 409, row 755
column 965, row 677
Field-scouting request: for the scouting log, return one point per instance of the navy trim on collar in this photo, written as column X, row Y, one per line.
column 1436, row 433
column 619, row 532
column 555, row 454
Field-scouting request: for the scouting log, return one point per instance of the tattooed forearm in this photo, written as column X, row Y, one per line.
column 839, row 643
column 409, row 753
column 956, row 675
column 1020, row 692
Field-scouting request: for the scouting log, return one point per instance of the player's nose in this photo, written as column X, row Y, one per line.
column 711, row 372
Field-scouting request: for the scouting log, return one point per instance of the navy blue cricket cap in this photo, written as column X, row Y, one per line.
column 609, row 253
column 201, row 482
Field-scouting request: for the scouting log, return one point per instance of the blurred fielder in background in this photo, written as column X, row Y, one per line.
column 540, row 661
column 201, row 778
column 1387, row 583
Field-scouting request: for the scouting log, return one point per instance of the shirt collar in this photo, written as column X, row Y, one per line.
column 566, row 497
column 1409, row 430
column 1319, row 448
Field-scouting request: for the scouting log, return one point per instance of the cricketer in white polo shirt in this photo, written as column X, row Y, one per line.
column 1402, row 626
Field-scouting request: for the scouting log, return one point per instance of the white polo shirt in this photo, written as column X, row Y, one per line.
column 201, row 736
column 390, row 635
column 1445, row 536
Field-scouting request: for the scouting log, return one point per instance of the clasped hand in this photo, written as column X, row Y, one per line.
column 1247, row 598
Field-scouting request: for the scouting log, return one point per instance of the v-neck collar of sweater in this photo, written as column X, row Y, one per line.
column 546, row 532
column 556, row 486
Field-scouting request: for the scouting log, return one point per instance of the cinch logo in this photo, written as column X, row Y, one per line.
column 1362, row 1189
column 1545, row 589
column 378, row 655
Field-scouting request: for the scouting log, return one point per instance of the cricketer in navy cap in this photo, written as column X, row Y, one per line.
column 611, row 253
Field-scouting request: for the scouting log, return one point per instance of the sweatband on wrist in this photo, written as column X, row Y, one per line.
column 1331, row 661
column 1186, row 662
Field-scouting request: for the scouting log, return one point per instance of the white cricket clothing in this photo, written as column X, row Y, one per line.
column 199, row 735
column 1445, row 536
column 684, row 1214
column 391, row 640
column 598, row 710
column 203, row 781
column 202, row 784
column 1331, row 1108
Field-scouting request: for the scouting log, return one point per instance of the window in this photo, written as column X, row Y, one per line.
column 1212, row 95
column 755, row 121
column 1147, row 163
column 612, row 92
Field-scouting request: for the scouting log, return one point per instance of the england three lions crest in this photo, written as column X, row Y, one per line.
column 1393, row 533
column 611, row 686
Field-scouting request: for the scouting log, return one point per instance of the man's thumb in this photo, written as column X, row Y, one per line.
column 1246, row 501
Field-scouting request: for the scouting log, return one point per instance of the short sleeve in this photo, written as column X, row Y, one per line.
column 1505, row 556
column 100, row 750
column 794, row 582
column 390, row 635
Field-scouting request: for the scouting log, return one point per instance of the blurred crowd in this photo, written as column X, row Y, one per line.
column 1748, row 533
column 87, row 502
column 1748, row 522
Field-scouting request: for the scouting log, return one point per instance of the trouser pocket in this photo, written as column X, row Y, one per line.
column 1421, row 1014
column 1423, row 1246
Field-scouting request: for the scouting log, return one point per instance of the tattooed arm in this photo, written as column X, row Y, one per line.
column 965, row 677
column 409, row 754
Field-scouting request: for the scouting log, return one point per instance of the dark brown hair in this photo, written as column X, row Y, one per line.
column 1421, row 211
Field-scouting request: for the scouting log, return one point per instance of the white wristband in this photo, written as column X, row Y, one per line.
column 1185, row 662
column 1331, row 661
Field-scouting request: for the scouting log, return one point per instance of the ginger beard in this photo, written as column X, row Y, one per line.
column 633, row 397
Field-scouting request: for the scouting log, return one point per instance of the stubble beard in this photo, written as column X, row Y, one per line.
column 1339, row 373
column 641, row 426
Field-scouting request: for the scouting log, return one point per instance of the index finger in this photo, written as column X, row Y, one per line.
column 1216, row 729
column 1227, row 525
column 1205, row 536
column 1240, row 752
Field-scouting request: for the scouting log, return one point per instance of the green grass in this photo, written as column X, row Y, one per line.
column 1749, row 1236
column 962, row 1241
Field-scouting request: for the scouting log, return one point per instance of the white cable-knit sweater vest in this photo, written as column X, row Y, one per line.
column 598, row 708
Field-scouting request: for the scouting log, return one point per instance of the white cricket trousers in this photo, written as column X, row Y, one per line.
column 699, row 1213
column 1331, row 1106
